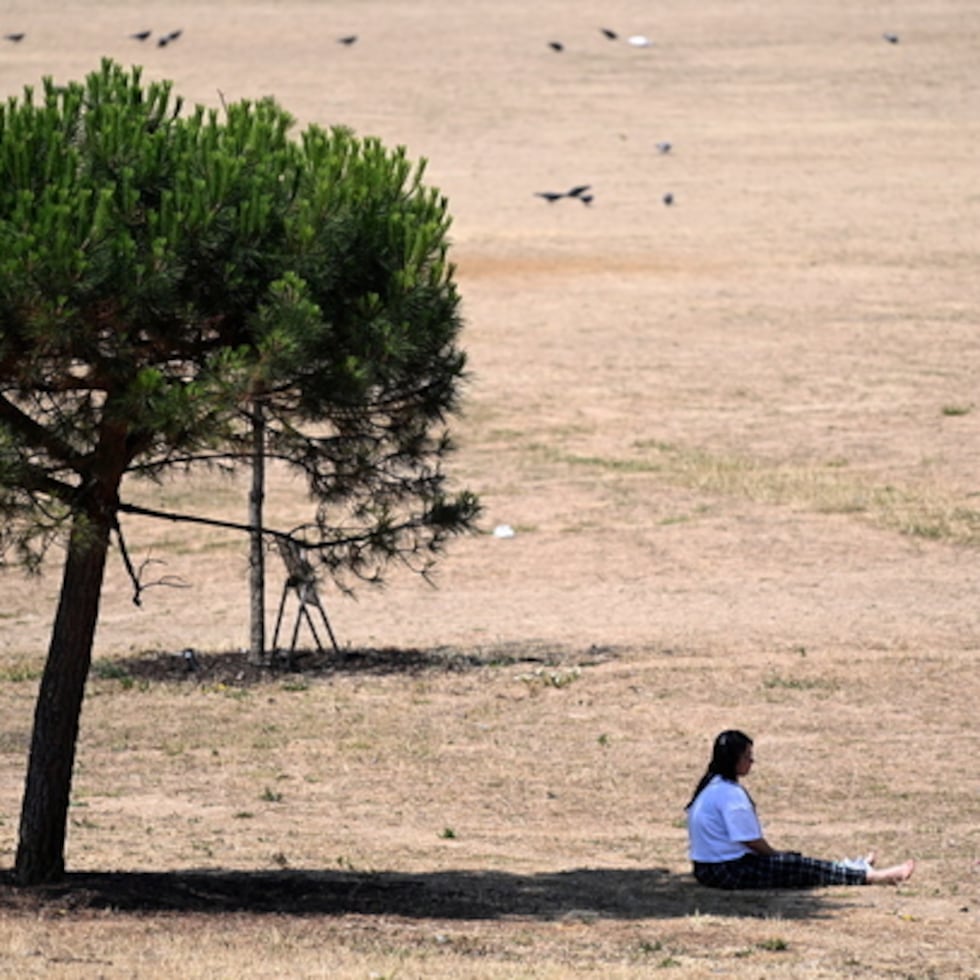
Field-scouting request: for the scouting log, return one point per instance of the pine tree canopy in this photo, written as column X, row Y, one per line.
column 165, row 269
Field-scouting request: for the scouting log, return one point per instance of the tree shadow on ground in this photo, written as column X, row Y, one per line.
column 585, row 893
column 233, row 668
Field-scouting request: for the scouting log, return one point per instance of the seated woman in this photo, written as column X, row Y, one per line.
column 726, row 841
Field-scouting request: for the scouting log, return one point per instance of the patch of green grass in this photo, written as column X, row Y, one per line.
column 234, row 693
column 675, row 519
column 827, row 488
column 271, row 795
column 510, row 436
column 775, row 945
column 776, row 681
column 646, row 947
column 109, row 670
column 954, row 410
column 545, row 677
column 18, row 673
column 612, row 464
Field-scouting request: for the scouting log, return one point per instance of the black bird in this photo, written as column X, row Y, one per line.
column 665, row 146
column 668, row 199
column 550, row 196
column 556, row 45
column 578, row 191
column 612, row 35
column 167, row 38
column 14, row 37
column 890, row 38
column 348, row 40
column 586, row 198
column 141, row 35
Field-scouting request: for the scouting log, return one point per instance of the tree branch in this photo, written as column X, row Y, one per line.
column 176, row 518
column 130, row 571
column 36, row 433
column 136, row 576
column 194, row 519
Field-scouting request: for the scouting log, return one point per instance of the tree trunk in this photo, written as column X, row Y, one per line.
column 256, row 561
column 44, row 813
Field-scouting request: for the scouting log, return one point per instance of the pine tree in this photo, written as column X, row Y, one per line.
column 165, row 272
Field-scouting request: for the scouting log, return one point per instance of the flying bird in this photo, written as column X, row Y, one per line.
column 577, row 191
column 556, row 45
column 586, row 198
column 167, row 38
column 668, row 199
column 141, row 35
column 348, row 40
column 890, row 38
column 665, row 146
column 612, row 35
column 14, row 37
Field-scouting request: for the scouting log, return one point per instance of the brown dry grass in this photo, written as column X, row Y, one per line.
column 737, row 439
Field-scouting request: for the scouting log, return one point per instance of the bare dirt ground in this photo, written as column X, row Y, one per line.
column 736, row 437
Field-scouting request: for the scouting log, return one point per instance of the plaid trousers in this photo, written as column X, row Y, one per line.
column 788, row 869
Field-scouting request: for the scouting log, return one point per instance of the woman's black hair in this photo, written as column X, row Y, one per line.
column 729, row 747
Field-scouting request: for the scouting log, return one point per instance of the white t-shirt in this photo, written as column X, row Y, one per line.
column 719, row 821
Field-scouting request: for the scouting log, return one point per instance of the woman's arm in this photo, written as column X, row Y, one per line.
column 760, row 846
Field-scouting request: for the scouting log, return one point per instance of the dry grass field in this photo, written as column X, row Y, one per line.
column 738, row 440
